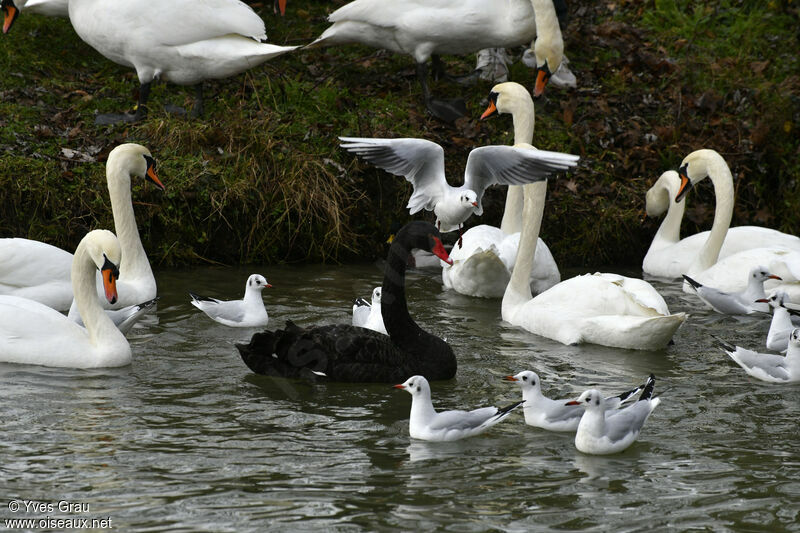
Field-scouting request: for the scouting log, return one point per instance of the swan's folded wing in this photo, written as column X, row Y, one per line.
column 180, row 22
column 510, row 165
column 419, row 161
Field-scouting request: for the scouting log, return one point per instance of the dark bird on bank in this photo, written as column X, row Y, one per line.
column 342, row 352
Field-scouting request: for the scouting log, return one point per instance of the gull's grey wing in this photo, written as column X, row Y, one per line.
column 361, row 311
column 510, row 165
column 621, row 422
column 233, row 310
column 463, row 420
column 419, row 161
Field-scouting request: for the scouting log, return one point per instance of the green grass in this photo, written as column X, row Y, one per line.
column 260, row 177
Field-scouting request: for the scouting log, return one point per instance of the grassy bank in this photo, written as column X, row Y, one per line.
column 261, row 178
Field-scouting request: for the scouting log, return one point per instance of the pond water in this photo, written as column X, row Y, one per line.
column 186, row 438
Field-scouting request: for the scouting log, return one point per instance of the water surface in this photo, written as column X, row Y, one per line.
column 186, row 438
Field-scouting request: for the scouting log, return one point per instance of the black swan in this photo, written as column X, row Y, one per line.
column 342, row 352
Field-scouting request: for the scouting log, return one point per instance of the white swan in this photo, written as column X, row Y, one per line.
column 426, row 28
column 50, row 283
column 605, row 309
column 669, row 256
column 482, row 266
column 33, row 333
column 12, row 9
column 730, row 274
column 180, row 41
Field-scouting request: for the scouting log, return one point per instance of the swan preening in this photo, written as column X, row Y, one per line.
column 49, row 283
column 32, row 333
column 182, row 41
column 424, row 29
column 245, row 313
column 723, row 256
column 482, row 266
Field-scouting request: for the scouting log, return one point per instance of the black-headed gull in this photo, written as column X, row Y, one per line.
column 366, row 315
column 554, row 415
column 781, row 325
column 124, row 318
column 246, row 313
column 421, row 162
column 736, row 303
column 602, row 431
column 766, row 366
column 426, row 424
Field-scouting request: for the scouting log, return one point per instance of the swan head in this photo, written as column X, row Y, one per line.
column 509, row 97
column 526, row 379
column 376, row 296
column 694, row 169
column 549, row 51
column 103, row 248
column 10, row 13
column 659, row 196
column 257, row 282
column 133, row 160
column 591, row 400
column 416, row 386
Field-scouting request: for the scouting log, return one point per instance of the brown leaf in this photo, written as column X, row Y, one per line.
column 759, row 66
column 572, row 186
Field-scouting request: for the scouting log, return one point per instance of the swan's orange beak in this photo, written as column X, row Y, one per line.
column 491, row 110
column 542, row 77
column 150, row 175
column 10, row 14
column 282, row 7
column 440, row 252
column 110, row 274
column 686, row 185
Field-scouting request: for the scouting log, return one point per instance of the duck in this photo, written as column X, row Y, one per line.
column 669, row 256
column 601, row 308
column 482, row 267
column 183, row 42
column 50, row 282
column 346, row 353
column 425, row 29
column 555, row 415
column 421, row 163
column 746, row 302
column 248, row 312
column 446, row 426
column 12, row 9
column 368, row 315
column 603, row 431
column 768, row 367
column 33, row 333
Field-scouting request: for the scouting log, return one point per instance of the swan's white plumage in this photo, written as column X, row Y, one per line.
column 32, row 333
column 35, row 270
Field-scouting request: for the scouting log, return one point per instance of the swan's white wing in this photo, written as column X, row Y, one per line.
column 419, row 161
column 180, row 22
column 24, row 263
column 510, row 165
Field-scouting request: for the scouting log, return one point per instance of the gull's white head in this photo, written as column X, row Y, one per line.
column 761, row 274
column 794, row 338
column 257, row 282
column 591, row 400
column 376, row 296
column 775, row 300
column 526, row 379
column 469, row 200
column 416, row 386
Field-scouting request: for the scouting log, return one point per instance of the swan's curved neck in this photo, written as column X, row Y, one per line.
column 518, row 290
column 546, row 20
column 134, row 264
column 720, row 176
column 84, row 273
column 670, row 229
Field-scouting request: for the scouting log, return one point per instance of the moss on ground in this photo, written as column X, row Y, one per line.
column 261, row 178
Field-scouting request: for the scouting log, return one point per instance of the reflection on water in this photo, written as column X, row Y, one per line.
column 187, row 439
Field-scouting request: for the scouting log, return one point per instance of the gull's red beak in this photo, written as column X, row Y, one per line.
column 573, row 402
column 510, row 378
column 399, row 386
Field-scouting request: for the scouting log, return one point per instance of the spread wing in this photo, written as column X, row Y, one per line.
column 510, row 165
column 419, row 161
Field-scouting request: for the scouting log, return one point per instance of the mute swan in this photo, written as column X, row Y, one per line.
column 736, row 303
column 247, row 313
column 426, row 28
column 182, row 41
column 669, row 256
column 730, row 274
column 605, row 309
column 49, row 283
column 12, row 9
column 366, row 315
column 555, row 415
column 768, row 367
column 39, row 335
column 445, row 426
column 482, row 267
column 421, row 162
column 342, row 352
column 602, row 431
